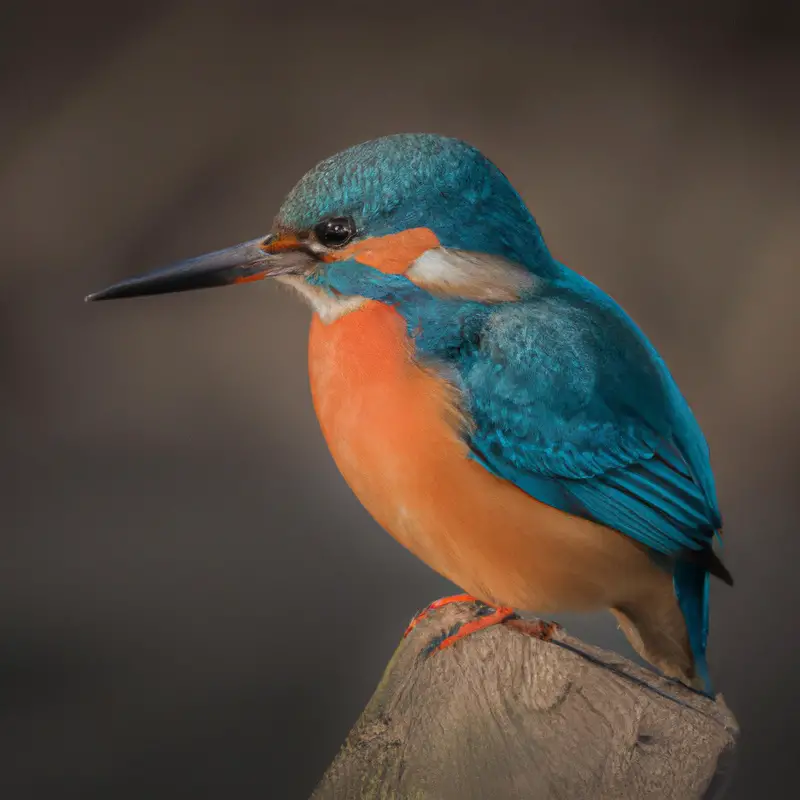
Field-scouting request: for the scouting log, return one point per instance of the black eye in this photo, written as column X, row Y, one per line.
column 335, row 232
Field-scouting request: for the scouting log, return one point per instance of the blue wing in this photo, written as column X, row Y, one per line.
column 573, row 405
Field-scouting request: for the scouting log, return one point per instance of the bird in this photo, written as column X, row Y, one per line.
column 496, row 412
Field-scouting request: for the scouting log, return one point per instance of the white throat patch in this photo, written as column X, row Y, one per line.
column 328, row 307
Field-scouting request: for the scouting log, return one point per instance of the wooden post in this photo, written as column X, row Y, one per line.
column 503, row 714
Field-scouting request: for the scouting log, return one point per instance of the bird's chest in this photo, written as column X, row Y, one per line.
column 389, row 423
column 393, row 430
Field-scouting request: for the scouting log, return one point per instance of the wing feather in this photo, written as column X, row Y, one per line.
column 573, row 405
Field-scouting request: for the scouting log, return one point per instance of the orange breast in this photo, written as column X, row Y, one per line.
column 391, row 428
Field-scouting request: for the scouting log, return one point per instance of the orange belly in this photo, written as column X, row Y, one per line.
column 391, row 427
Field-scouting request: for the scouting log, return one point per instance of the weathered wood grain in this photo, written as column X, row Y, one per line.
column 504, row 715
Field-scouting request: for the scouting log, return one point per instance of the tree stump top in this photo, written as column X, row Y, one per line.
column 503, row 714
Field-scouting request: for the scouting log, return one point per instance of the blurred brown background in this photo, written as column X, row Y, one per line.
column 191, row 601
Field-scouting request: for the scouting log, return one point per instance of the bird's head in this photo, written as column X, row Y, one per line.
column 415, row 211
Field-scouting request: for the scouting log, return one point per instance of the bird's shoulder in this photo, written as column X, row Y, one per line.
column 564, row 384
column 571, row 403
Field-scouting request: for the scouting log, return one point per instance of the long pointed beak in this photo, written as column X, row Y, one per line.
column 251, row 261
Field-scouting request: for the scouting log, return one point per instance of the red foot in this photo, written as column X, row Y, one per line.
column 440, row 603
column 485, row 616
column 494, row 617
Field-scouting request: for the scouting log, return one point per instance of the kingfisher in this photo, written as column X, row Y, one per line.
column 497, row 413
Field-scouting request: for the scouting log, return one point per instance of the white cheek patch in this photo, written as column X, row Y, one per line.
column 328, row 307
column 470, row 275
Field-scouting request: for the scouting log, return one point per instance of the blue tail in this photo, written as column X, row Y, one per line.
column 691, row 583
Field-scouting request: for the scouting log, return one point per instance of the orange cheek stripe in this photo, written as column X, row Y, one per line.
column 392, row 254
column 250, row 278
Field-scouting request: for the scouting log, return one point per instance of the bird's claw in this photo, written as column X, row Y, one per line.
column 486, row 616
column 440, row 603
